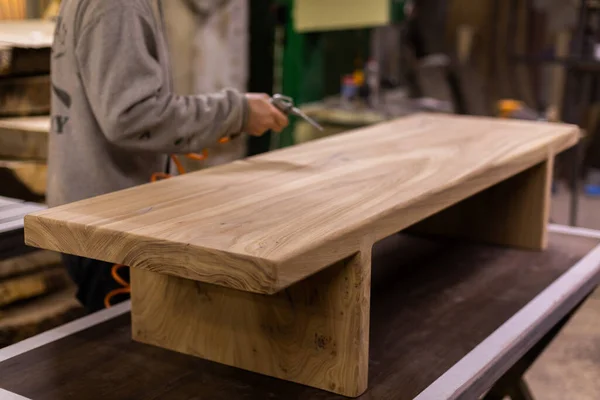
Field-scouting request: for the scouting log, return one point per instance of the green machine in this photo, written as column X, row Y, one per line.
column 306, row 65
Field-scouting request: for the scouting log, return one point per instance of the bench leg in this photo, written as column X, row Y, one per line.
column 315, row 333
column 514, row 212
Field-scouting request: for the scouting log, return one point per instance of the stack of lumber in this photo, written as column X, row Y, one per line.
column 35, row 290
column 25, row 48
column 23, row 155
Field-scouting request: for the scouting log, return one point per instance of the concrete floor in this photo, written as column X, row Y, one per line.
column 570, row 367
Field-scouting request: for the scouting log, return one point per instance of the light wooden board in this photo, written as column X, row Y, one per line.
column 263, row 223
column 12, row 10
column 27, row 33
column 315, row 333
column 25, row 138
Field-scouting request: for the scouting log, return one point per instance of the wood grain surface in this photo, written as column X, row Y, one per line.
column 24, row 138
column 13, row 10
column 266, row 222
column 433, row 301
column 315, row 332
column 514, row 212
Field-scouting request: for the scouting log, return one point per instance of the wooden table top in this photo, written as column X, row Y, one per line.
column 263, row 223
column 433, row 302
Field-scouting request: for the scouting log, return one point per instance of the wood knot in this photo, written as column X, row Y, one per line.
column 322, row 341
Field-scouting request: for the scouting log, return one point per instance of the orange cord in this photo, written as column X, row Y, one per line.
column 126, row 289
column 180, row 170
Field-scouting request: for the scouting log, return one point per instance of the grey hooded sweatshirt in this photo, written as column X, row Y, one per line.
column 114, row 116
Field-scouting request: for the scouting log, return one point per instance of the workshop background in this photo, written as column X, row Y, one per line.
column 349, row 64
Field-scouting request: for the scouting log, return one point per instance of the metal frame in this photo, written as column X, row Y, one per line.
column 512, row 383
column 475, row 373
column 6, row 395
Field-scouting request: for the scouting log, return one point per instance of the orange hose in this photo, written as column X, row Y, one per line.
column 198, row 157
column 126, row 289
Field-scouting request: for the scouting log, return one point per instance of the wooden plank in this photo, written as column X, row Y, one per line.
column 514, row 212
column 23, row 179
column 30, row 33
column 264, row 223
column 34, row 261
column 19, row 61
column 24, row 138
column 24, row 96
column 36, row 316
column 33, row 285
column 12, row 9
column 315, row 333
column 433, row 301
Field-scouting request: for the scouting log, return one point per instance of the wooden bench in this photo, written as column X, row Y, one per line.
column 265, row 264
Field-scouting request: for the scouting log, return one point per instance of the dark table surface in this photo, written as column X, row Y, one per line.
column 432, row 302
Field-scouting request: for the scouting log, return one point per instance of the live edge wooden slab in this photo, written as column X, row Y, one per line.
column 265, row 264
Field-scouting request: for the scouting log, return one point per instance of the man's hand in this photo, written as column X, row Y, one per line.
column 263, row 116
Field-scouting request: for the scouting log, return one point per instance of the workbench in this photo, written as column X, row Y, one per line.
column 449, row 320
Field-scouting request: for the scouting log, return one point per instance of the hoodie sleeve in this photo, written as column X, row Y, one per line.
column 125, row 86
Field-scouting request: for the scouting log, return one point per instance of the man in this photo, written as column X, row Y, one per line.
column 115, row 118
